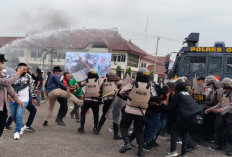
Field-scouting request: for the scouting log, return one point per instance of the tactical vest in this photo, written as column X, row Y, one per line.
column 109, row 87
column 140, row 95
column 225, row 101
column 199, row 93
column 92, row 88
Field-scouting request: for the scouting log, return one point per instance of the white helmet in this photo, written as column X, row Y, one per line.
column 227, row 82
column 210, row 78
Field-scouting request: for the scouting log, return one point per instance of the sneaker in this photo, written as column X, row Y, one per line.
column 80, row 130
column 117, row 137
column 146, row 147
column 125, row 148
column 30, row 129
column 183, row 155
column 16, row 136
column 61, row 123
column 23, row 129
column 7, row 128
column 216, row 147
column 45, row 124
column 172, row 154
column 193, row 148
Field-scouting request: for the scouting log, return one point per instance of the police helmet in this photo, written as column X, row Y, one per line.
column 92, row 73
column 143, row 75
column 210, row 78
column 227, row 82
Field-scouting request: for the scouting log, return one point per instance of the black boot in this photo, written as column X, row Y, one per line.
column 115, row 128
column 45, row 124
column 140, row 151
column 81, row 129
column 229, row 153
column 127, row 145
column 100, row 124
column 60, row 122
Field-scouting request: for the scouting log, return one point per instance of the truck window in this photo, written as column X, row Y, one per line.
column 215, row 64
column 229, row 64
column 193, row 65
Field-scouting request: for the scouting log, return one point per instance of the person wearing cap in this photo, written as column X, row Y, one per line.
column 56, row 89
column 223, row 110
column 39, row 84
column 5, row 87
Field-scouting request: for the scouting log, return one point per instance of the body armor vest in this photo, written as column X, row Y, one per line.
column 92, row 88
column 140, row 96
column 109, row 87
column 225, row 101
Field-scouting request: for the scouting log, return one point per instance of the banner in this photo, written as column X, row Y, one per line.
column 83, row 61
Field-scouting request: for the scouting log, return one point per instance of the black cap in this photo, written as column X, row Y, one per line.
column 2, row 58
column 57, row 68
column 200, row 78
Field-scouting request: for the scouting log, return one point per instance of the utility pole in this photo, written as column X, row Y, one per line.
column 156, row 52
column 145, row 44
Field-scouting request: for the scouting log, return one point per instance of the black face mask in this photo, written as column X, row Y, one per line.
column 23, row 74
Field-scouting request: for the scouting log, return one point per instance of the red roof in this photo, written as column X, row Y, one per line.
column 78, row 39
column 8, row 40
column 160, row 69
column 150, row 58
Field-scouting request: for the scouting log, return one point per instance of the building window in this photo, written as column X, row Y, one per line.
column 99, row 46
column 118, row 58
column 36, row 54
column 33, row 54
column 133, row 60
column 21, row 53
column 143, row 65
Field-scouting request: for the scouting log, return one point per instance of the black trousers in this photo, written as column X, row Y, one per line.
column 208, row 131
column 223, row 127
column 139, row 123
column 94, row 105
column 180, row 128
column 63, row 108
column 3, row 117
column 107, row 104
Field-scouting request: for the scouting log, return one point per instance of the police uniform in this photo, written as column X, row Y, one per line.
column 138, row 94
column 224, row 118
column 91, row 100
column 109, row 89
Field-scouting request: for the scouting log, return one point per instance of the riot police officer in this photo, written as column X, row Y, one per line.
column 92, row 93
column 224, row 117
column 109, row 89
column 138, row 94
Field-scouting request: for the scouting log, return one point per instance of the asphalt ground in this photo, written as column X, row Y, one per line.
column 65, row 141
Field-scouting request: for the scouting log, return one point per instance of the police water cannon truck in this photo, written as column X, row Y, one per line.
column 194, row 60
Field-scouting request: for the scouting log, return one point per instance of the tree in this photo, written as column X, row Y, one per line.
column 152, row 76
column 128, row 72
column 50, row 53
column 118, row 70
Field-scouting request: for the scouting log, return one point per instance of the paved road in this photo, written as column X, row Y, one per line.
column 59, row 141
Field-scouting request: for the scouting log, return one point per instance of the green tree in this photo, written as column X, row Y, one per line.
column 152, row 75
column 118, row 70
column 128, row 72
column 50, row 53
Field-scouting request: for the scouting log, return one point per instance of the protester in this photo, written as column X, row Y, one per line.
column 24, row 86
column 188, row 114
column 39, row 84
column 63, row 102
column 54, row 92
column 5, row 87
column 78, row 93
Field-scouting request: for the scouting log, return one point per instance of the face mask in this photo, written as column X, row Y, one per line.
column 2, row 66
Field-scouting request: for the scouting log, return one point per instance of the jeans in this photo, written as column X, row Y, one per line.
column 16, row 112
column 152, row 126
column 31, row 108
column 38, row 95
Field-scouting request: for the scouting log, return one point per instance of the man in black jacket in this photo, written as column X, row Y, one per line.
column 186, row 108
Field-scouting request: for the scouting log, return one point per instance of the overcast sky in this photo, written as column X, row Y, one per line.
column 173, row 19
